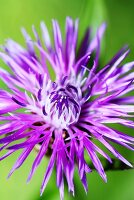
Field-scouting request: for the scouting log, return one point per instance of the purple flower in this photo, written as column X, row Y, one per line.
column 63, row 116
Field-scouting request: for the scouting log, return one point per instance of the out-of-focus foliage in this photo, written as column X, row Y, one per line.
column 14, row 14
column 119, row 16
column 120, row 22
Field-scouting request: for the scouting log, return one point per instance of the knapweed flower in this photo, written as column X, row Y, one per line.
column 64, row 117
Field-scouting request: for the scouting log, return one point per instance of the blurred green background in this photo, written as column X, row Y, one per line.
column 119, row 15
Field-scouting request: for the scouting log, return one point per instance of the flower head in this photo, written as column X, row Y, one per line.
column 64, row 116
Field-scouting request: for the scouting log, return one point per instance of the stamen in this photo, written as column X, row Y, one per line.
column 44, row 111
column 62, row 106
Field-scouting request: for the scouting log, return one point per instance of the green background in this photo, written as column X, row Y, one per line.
column 119, row 15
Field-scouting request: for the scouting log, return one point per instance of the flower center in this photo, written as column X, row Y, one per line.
column 62, row 106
